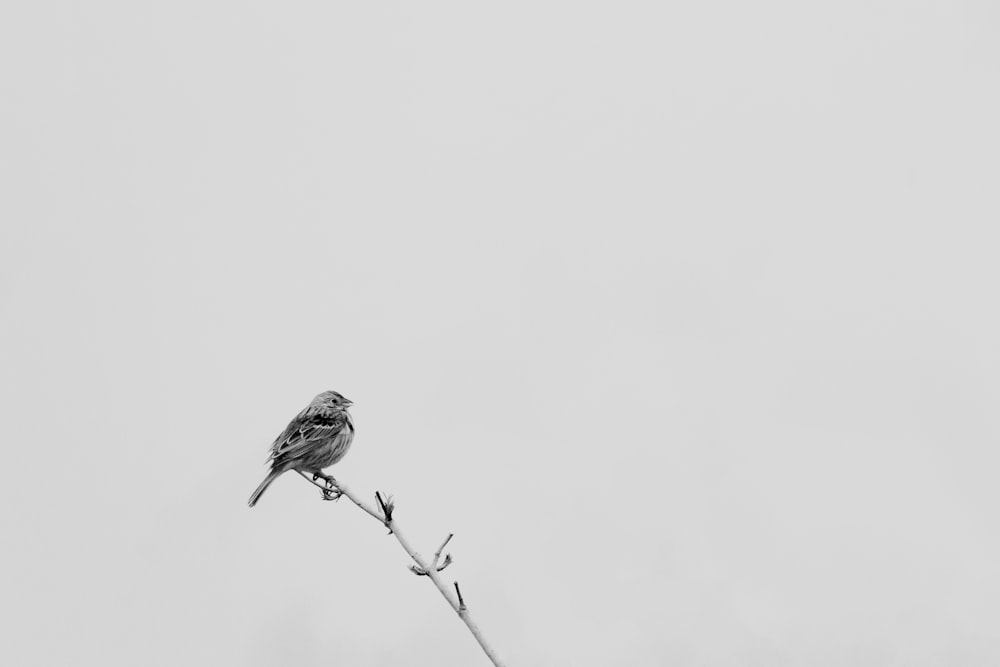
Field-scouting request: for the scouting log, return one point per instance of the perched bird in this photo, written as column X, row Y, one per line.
column 317, row 438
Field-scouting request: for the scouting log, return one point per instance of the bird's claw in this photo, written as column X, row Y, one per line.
column 330, row 490
column 327, row 479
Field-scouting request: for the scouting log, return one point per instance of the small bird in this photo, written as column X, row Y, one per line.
column 317, row 438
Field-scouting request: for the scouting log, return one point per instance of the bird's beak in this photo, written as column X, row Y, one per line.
column 348, row 403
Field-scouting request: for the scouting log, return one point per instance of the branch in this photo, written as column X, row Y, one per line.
column 340, row 488
column 384, row 515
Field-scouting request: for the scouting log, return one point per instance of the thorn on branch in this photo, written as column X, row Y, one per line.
column 461, row 602
column 417, row 570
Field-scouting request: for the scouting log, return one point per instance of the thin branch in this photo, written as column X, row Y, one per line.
column 421, row 567
column 350, row 496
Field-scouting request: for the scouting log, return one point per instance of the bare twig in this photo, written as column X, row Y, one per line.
column 350, row 496
column 421, row 568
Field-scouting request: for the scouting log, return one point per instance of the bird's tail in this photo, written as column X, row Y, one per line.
column 273, row 475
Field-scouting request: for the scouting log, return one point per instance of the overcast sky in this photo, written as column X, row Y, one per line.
column 681, row 316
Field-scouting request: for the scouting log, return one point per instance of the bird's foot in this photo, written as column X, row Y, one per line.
column 331, row 492
column 330, row 481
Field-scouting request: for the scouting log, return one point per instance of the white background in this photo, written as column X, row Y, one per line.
column 683, row 317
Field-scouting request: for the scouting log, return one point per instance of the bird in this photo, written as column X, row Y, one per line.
column 317, row 438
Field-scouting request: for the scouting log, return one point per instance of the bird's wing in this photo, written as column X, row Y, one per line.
column 305, row 430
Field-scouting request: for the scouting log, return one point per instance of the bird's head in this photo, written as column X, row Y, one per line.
column 331, row 399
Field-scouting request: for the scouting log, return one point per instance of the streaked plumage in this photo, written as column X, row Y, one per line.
column 317, row 438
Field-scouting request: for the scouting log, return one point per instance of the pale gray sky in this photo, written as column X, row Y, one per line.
column 682, row 317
